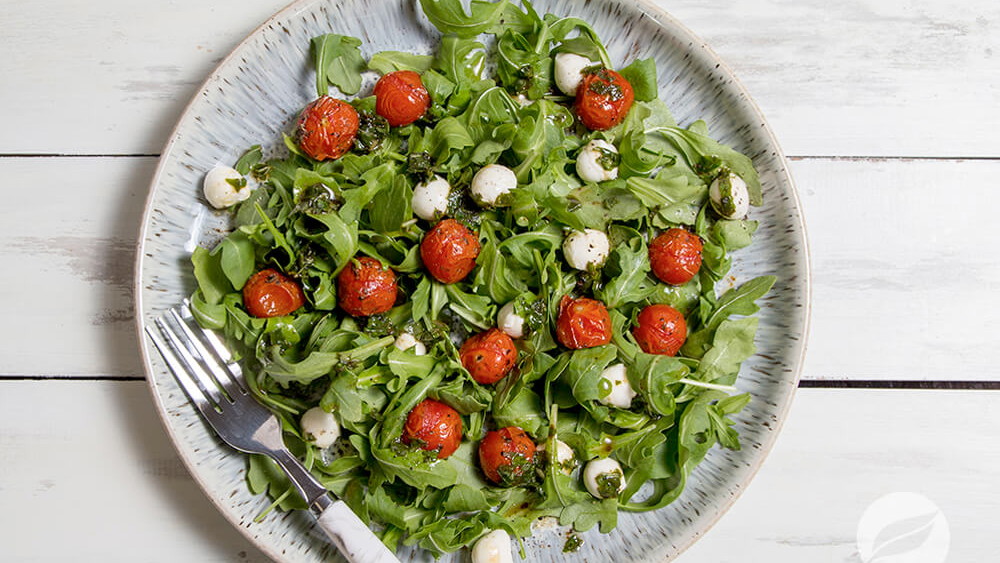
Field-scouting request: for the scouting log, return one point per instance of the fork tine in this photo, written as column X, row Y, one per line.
column 194, row 369
column 218, row 346
column 217, row 369
column 191, row 388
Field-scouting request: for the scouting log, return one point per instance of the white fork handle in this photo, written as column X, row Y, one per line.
column 352, row 537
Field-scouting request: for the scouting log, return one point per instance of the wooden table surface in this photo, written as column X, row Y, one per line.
column 889, row 112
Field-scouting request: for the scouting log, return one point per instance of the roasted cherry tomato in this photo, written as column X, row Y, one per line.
column 434, row 426
column 603, row 99
column 661, row 329
column 400, row 97
column 327, row 128
column 269, row 293
column 675, row 256
column 583, row 323
column 507, row 456
column 365, row 287
column 449, row 251
column 489, row 356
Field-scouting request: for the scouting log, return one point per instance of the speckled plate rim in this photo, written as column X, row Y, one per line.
column 664, row 20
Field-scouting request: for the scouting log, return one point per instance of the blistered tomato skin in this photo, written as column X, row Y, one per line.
column 583, row 323
column 434, row 426
column 365, row 287
column 326, row 128
column 603, row 99
column 400, row 97
column 675, row 256
column 449, row 251
column 507, row 456
column 489, row 356
column 660, row 329
column 269, row 293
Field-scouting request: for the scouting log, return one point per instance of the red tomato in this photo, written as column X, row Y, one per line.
column 269, row 293
column 489, row 356
column 583, row 323
column 326, row 128
column 449, row 251
column 661, row 329
column 434, row 426
column 507, row 456
column 400, row 97
column 365, row 288
column 603, row 99
column 675, row 256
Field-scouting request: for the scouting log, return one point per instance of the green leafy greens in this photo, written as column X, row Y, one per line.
column 309, row 219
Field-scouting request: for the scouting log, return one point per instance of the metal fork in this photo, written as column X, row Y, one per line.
column 213, row 381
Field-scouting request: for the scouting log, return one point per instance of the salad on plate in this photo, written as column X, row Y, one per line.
column 491, row 290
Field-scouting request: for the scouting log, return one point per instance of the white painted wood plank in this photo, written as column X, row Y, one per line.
column 905, row 268
column 864, row 78
column 89, row 475
column 88, row 464
column 897, row 77
column 69, row 227
column 902, row 250
column 841, row 450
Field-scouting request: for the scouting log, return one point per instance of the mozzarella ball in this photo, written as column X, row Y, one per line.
column 405, row 341
column 510, row 322
column 621, row 394
column 430, row 199
column 225, row 186
column 569, row 71
column 494, row 547
column 491, row 182
column 320, row 428
column 597, row 161
column 565, row 457
column 604, row 478
column 730, row 196
column 583, row 248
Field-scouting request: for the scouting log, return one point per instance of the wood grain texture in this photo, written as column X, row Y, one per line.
column 69, row 232
column 843, row 449
column 901, row 251
column 904, row 266
column 98, row 472
column 89, row 474
column 901, row 77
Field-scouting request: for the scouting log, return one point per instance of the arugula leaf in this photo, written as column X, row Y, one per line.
column 339, row 62
column 708, row 156
column 213, row 283
column 450, row 17
column 731, row 345
column 385, row 62
column 641, row 74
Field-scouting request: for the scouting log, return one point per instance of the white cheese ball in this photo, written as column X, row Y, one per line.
column 583, row 248
column 510, row 322
column 491, row 182
column 405, row 341
column 430, row 199
column 225, row 186
column 494, row 547
column 730, row 196
column 565, row 457
column 569, row 71
column 601, row 471
column 588, row 162
column 621, row 394
column 320, row 428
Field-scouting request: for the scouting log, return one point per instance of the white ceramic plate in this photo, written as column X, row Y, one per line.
column 254, row 96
